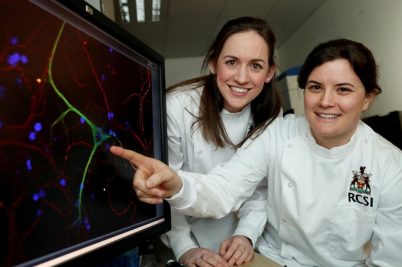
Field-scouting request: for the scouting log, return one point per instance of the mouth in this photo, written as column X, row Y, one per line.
column 328, row 115
column 238, row 90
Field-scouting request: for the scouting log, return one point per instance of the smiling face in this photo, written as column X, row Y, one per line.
column 241, row 69
column 334, row 98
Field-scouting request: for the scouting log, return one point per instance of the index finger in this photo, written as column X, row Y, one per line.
column 130, row 155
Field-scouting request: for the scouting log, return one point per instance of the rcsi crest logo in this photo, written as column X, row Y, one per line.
column 361, row 182
column 361, row 185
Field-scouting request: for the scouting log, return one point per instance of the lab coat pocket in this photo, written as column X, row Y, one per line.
column 350, row 230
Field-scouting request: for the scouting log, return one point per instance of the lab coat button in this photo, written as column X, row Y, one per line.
column 283, row 220
column 290, row 145
column 290, row 184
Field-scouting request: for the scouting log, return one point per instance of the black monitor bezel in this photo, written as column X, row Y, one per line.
column 103, row 253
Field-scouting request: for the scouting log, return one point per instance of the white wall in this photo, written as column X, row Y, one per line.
column 180, row 69
column 377, row 24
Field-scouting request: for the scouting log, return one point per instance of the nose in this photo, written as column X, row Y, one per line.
column 327, row 98
column 242, row 75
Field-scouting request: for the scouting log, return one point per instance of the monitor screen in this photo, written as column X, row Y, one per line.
column 72, row 83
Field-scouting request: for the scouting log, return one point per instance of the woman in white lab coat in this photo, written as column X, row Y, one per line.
column 334, row 185
column 208, row 118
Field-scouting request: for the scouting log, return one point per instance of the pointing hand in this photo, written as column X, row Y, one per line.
column 153, row 180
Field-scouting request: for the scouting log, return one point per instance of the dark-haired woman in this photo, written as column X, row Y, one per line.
column 334, row 185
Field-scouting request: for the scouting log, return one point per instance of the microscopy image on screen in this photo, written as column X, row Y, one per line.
column 65, row 97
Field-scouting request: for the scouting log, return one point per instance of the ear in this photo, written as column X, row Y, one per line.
column 211, row 68
column 368, row 99
column 270, row 74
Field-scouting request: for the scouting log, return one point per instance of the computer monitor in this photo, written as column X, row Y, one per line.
column 73, row 83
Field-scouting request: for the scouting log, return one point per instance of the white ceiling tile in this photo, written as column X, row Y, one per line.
column 187, row 27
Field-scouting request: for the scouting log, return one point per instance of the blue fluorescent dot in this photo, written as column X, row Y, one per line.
column 14, row 40
column 87, row 224
column 29, row 164
column 35, row 197
column 110, row 50
column 81, row 186
column 24, row 59
column 2, row 91
column 63, row 182
column 38, row 126
column 32, row 136
column 110, row 115
column 82, row 120
column 38, row 213
column 13, row 59
column 42, row 193
column 1, row 124
column 112, row 133
column 103, row 77
column 107, row 147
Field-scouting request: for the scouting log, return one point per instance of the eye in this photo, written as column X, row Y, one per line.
column 314, row 88
column 256, row 67
column 230, row 62
column 344, row 90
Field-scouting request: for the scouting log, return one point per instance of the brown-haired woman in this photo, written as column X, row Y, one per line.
column 208, row 118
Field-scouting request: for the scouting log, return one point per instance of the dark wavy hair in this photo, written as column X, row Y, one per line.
column 265, row 107
column 359, row 56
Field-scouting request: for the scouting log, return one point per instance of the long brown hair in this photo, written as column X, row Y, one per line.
column 265, row 107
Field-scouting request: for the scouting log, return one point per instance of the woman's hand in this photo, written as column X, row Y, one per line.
column 153, row 180
column 237, row 250
column 202, row 257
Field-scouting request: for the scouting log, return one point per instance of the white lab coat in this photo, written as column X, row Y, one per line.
column 190, row 152
column 315, row 215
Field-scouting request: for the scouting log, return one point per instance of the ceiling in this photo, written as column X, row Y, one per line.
column 187, row 27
